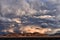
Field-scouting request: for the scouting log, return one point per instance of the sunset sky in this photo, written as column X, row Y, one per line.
column 15, row 14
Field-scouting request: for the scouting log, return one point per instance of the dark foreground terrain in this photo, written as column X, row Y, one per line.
column 14, row 35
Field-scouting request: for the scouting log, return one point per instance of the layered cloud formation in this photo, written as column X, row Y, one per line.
column 44, row 13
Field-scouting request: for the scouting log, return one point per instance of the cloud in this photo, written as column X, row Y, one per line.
column 33, row 29
column 45, row 17
column 32, row 12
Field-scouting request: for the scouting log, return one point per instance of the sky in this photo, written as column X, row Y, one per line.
column 17, row 13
